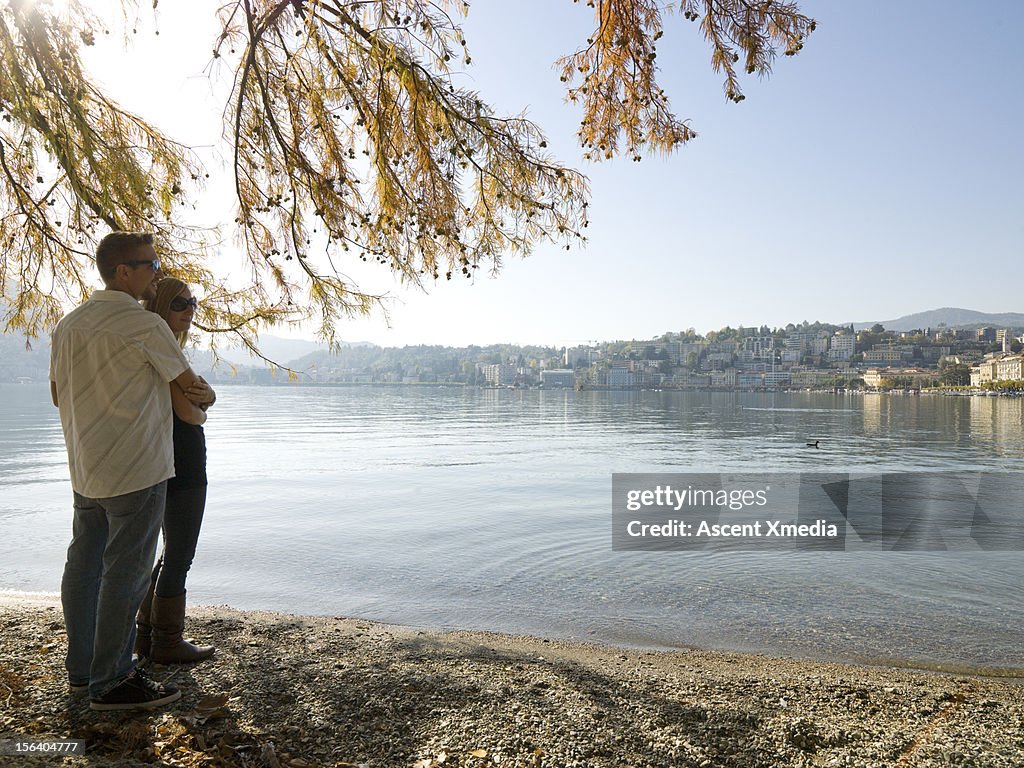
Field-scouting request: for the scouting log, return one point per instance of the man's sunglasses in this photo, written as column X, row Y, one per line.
column 180, row 305
column 153, row 264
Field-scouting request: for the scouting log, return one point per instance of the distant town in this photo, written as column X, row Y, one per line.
column 805, row 356
column 795, row 357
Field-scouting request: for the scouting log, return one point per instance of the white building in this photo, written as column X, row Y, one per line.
column 1010, row 368
column 723, row 379
column 820, row 345
column 842, row 347
column 998, row 368
column 500, row 375
column 579, row 356
column 621, row 377
column 883, row 355
column 558, row 377
column 983, row 373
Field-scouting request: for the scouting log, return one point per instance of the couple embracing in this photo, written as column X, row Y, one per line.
column 132, row 411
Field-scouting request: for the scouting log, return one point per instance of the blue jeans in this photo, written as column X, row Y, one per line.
column 105, row 578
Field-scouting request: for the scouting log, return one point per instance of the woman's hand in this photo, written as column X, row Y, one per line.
column 201, row 393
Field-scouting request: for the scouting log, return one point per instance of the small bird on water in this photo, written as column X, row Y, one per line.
column 814, row 444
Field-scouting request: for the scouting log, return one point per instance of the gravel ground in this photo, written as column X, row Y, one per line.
column 312, row 691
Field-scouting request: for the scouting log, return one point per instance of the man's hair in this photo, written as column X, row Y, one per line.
column 117, row 248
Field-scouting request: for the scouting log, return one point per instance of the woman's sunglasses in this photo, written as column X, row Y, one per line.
column 180, row 305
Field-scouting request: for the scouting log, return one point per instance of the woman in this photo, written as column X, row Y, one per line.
column 161, row 619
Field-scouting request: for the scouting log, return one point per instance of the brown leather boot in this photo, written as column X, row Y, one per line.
column 168, row 620
column 143, row 629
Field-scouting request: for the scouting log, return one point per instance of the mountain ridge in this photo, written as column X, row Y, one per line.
column 951, row 317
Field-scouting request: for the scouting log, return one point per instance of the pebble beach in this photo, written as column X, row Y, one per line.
column 304, row 691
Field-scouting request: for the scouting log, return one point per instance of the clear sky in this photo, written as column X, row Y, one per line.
column 876, row 174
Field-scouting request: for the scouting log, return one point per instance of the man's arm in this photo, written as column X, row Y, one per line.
column 186, row 379
column 166, row 356
column 53, row 393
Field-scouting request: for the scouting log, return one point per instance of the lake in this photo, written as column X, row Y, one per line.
column 491, row 509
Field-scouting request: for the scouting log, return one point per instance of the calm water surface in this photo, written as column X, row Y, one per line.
column 491, row 510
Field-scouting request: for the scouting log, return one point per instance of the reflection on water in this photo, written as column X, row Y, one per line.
column 491, row 509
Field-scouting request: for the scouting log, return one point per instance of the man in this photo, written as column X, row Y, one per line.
column 110, row 365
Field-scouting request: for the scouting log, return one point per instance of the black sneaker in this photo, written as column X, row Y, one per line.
column 136, row 691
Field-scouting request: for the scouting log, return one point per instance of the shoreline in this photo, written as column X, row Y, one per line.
column 300, row 691
column 13, row 598
column 791, row 390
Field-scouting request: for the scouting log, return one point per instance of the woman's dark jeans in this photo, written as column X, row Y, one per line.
column 183, row 517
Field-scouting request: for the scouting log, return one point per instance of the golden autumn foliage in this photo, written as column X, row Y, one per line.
column 347, row 138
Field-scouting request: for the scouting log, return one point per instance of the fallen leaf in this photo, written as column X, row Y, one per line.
column 213, row 701
column 208, row 708
column 478, row 753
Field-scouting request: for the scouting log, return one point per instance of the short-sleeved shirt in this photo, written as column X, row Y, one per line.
column 112, row 361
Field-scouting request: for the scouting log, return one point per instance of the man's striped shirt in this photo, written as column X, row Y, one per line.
column 112, row 362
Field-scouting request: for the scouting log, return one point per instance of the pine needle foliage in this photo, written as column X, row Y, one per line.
column 348, row 138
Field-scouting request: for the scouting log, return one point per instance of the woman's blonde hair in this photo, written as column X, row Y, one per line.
column 167, row 290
